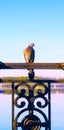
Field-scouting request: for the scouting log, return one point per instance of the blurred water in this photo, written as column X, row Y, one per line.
column 57, row 112
column 57, row 108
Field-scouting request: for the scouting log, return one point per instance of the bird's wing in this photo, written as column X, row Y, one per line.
column 27, row 54
column 32, row 56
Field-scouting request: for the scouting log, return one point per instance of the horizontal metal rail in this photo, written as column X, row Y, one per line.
column 11, row 80
column 32, row 65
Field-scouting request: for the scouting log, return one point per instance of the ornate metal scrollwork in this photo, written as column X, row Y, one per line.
column 32, row 97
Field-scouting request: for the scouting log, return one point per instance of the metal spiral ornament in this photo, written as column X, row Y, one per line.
column 30, row 103
column 30, row 122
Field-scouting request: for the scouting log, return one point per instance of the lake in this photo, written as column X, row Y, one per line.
column 57, row 111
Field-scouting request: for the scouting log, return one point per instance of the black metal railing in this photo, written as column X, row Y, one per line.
column 35, row 97
column 31, row 98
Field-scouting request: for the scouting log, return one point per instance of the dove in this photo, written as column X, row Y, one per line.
column 29, row 53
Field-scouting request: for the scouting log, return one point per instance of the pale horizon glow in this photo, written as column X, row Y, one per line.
column 57, row 74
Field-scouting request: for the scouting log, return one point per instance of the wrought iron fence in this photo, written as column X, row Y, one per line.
column 33, row 101
column 31, row 97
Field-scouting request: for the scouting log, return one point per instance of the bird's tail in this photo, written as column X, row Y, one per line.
column 31, row 74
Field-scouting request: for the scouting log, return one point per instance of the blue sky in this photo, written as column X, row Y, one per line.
column 26, row 21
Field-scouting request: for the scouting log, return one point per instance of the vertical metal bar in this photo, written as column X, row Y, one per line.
column 49, row 106
column 12, row 105
column 31, row 94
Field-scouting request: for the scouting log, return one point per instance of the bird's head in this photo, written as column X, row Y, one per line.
column 31, row 44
